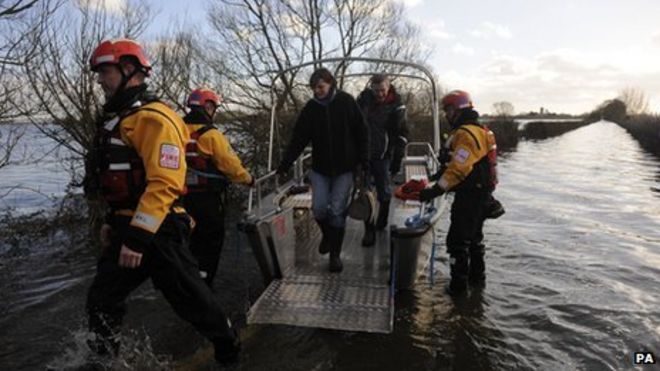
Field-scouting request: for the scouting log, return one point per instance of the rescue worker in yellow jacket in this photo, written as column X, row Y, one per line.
column 212, row 165
column 470, row 173
column 138, row 167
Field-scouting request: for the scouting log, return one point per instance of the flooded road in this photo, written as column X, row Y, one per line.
column 572, row 284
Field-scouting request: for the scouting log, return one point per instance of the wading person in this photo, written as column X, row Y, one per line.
column 212, row 164
column 386, row 116
column 333, row 123
column 140, row 168
column 470, row 174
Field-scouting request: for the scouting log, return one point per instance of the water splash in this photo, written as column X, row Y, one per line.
column 136, row 353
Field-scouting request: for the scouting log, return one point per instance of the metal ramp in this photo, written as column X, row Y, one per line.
column 357, row 299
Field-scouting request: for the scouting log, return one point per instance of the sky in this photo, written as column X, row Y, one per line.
column 566, row 56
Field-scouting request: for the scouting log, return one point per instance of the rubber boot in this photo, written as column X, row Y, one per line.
column 458, row 264
column 477, row 274
column 369, row 238
column 336, row 241
column 227, row 350
column 383, row 215
column 324, row 246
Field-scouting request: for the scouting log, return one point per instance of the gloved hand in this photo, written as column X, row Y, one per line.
column 435, row 177
column 427, row 194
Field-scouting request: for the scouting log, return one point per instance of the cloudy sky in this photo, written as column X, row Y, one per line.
column 563, row 55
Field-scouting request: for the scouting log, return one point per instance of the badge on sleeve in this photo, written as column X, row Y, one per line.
column 461, row 155
column 170, row 156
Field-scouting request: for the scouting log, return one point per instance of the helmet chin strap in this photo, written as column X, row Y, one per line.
column 126, row 78
column 114, row 102
column 209, row 116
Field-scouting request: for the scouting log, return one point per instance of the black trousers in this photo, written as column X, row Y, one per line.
column 174, row 272
column 207, row 209
column 467, row 221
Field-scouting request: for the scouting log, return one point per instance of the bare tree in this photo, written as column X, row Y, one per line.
column 59, row 95
column 635, row 100
column 60, row 86
column 263, row 37
column 181, row 66
column 503, row 109
column 9, row 137
column 15, row 7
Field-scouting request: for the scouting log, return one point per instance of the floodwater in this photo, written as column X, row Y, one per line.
column 572, row 284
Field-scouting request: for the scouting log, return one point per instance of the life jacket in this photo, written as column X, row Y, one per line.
column 202, row 175
column 492, row 157
column 121, row 171
column 484, row 172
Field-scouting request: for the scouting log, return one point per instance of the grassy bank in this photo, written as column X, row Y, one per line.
column 537, row 130
column 646, row 130
column 506, row 133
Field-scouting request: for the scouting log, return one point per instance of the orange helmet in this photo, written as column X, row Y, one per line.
column 110, row 52
column 199, row 97
column 458, row 99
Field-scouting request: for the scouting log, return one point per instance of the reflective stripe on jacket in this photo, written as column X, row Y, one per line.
column 155, row 135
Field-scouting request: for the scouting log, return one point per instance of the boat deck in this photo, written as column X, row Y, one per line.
column 357, row 299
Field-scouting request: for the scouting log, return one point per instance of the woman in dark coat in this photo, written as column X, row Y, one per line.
column 333, row 123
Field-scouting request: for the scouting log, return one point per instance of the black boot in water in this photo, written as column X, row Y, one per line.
column 227, row 350
column 458, row 264
column 369, row 238
column 477, row 273
column 336, row 240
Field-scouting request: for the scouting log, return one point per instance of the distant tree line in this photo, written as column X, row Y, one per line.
column 630, row 109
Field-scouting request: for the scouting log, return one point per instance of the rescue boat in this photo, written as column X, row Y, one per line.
column 280, row 228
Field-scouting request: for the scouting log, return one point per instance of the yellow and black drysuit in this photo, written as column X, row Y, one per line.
column 212, row 165
column 468, row 173
column 140, row 171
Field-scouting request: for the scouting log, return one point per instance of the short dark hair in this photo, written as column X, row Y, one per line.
column 322, row 74
column 379, row 78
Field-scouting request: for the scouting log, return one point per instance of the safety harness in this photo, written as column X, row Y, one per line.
column 202, row 174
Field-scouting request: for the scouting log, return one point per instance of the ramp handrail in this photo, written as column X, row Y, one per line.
column 258, row 183
column 429, row 152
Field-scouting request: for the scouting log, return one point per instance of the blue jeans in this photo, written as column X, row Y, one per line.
column 330, row 196
column 380, row 172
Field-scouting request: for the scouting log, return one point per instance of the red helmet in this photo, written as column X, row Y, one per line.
column 110, row 51
column 458, row 99
column 200, row 96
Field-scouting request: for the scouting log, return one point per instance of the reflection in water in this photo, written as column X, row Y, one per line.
column 572, row 273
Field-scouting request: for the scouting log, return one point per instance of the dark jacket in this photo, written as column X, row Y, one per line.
column 388, row 126
column 338, row 132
